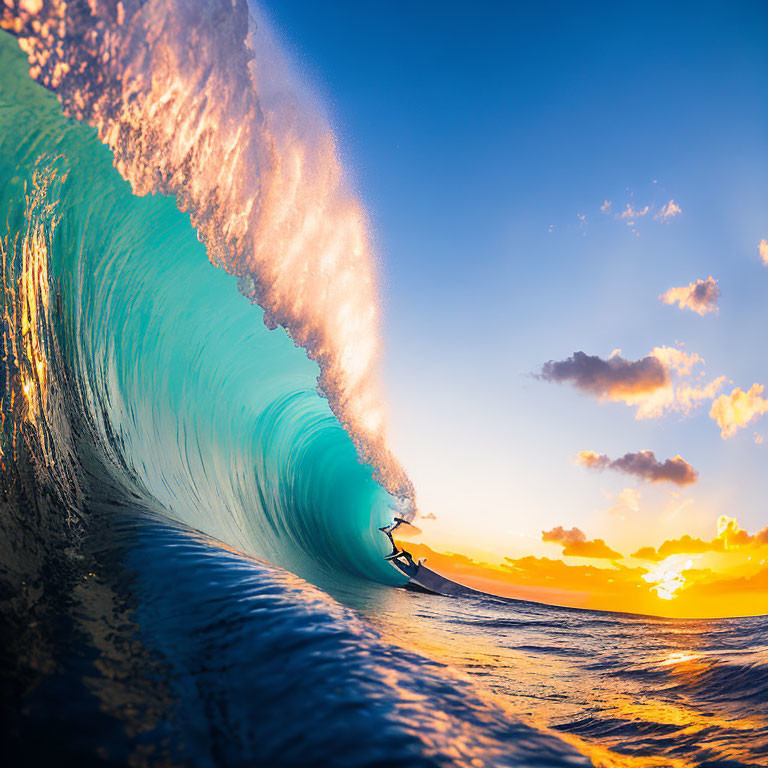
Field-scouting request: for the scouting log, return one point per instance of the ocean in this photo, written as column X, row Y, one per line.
column 193, row 474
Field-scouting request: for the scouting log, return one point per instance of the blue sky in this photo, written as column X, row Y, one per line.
column 476, row 134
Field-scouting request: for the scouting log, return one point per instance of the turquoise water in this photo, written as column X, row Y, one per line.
column 160, row 445
column 217, row 417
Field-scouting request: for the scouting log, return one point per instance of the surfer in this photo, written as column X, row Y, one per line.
column 396, row 551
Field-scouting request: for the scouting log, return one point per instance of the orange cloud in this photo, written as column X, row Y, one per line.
column 678, row 395
column 673, row 587
column 687, row 396
column 700, row 296
column 627, row 501
column 643, row 464
column 606, row 206
column 676, row 359
column 590, row 581
column 685, row 545
column 730, row 536
column 645, row 553
column 575, row 544
column 668, row 211
column 656, row 384
column 612, row 379
column 741, row 586
column 763, row 247
column 733, row 535
column 737, row 410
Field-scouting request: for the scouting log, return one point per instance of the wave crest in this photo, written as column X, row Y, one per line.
column 202, row 106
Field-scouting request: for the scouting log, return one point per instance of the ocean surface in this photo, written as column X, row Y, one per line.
column 193, row 476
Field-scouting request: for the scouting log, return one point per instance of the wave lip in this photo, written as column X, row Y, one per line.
column 224, row 127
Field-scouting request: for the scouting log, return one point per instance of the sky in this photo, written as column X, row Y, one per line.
column 537, row 176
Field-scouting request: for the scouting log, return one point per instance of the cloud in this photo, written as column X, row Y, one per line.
column 730, row 588
column 633, row 213
column 730, row 536
column 700, row 297
column 668, row 211
column 687, row 396
column 564, row 536
column 763, row 247
column 678, row 395
column 736, row 586
column 645, row 553
column 656, row 384
column 685, row 545
column 612, row 379
column 576, row 544
column 430, row 516
column 733, row 535
column 630, row 214
column 643, row 464
column 672, row 357
column 737, row 410
column 626, row 501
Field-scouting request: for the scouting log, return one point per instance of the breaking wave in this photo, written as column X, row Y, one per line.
column 225, row 425
column 172, row 468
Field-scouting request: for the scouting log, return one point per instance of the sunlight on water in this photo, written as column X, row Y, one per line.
column 166, row 445
column 630, row 692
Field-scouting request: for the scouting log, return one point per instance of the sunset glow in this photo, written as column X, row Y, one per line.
column 726, row 575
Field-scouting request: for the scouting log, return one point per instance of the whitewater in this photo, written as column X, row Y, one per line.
column 194, row 457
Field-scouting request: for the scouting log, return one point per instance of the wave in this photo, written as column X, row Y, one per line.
column 223, row 422
column 167, row 452
column 165, row 458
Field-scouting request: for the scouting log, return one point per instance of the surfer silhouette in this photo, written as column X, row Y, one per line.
column 396, row 551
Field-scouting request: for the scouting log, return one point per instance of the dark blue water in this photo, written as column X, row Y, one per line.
column 191, row 571
column 162, row 645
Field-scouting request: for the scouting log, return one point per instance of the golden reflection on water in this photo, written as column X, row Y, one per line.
column 27, row 293
column 550, row 676
column 678, row 657
column 34, row 294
